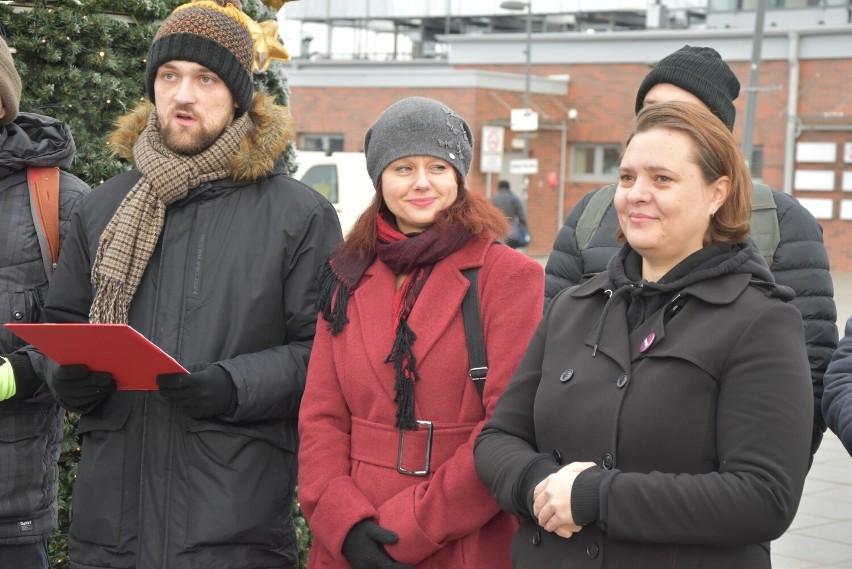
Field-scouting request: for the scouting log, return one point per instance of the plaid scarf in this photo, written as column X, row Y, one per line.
column 411, row 255
column 129, row 239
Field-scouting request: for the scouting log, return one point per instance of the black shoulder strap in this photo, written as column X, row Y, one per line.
column 473, row 332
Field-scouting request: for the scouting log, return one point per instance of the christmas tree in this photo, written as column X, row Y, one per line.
column 83, row 62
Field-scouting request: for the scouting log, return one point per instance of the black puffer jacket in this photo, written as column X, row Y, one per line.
column 232, row 281
column 30, row 426
column 800, row 262
column 837, row 403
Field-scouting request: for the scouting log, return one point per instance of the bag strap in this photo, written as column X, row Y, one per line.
column 765, row 231
column 593, row 214
column 43, row 183
column 473, row 332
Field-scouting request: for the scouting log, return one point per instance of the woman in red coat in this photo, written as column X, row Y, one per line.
column 389, row 414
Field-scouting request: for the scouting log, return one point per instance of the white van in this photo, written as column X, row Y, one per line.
column 342, row 178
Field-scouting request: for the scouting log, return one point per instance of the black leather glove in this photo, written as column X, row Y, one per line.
column 79, row 389
column 202, row 394
column 364, row 547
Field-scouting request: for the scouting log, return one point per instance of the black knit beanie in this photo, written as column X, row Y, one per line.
column 702, row 72
column 418, row 126
column 10, row 84
column 213, row 34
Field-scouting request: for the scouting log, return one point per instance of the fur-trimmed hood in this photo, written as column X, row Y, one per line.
column 273, row 131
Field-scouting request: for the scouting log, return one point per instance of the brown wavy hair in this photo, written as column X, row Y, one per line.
column 716, row 153
column 471, row 211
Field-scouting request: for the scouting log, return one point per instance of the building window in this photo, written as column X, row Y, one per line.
column 594, row 161
column 748, row 5
column 327, row 143
column 756, row 164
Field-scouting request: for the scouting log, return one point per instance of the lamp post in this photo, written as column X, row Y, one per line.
column 512, row 5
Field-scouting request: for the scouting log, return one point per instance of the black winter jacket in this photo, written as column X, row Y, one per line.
column 800, row 262
column 232, row 281
column 837, row 400
column 30, row 423
column 700, row 428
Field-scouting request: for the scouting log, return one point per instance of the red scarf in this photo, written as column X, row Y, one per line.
column 413, row 255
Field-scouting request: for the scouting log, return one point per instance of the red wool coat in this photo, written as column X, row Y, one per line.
column 349, row 445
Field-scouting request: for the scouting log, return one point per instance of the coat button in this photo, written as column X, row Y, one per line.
column 621, row 381
column 17, row 315
column 608, row 461
column 592, row 550
column 566, row 375
column 536, row 537
column 557, row 456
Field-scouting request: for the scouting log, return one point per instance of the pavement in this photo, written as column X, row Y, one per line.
column 821, row 533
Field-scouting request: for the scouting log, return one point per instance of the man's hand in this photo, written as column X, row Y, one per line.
column 79, row 389
column 202, row 394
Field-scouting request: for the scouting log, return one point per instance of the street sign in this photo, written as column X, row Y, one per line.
column 523, row 166
column 524, row 119
column 491, row 152
column 490, row 163
column 492, row 139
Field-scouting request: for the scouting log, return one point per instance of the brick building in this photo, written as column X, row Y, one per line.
column 583, row 88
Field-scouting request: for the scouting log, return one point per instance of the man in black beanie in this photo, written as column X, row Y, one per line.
column 30, row 419
column 788, row 234
column 210, row 250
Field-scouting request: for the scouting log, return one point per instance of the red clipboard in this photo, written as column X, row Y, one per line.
column 132, row 359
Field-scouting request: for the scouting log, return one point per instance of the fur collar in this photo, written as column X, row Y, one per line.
column 273, row 131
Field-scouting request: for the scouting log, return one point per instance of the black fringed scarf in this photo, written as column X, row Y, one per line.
column 412, row 255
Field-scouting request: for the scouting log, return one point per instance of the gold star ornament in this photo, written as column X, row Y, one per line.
column 267, row 46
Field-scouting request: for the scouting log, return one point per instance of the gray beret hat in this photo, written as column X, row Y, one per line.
column 418, row 126
column 10, row 84
column 702, row 72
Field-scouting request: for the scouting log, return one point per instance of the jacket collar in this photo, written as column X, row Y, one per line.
column 437, row 306
column 719, row 290
column 613, row 338
column 273, row 131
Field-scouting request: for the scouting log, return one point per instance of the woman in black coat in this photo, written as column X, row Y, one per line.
column 661, row 415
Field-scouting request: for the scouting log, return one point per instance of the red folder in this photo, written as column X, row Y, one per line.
column 132, row 359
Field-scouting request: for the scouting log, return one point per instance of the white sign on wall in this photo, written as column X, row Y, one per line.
column 491, row 149
column 524, row 119
column 524, row 166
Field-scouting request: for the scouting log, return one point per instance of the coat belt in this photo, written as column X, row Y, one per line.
column 377, row 443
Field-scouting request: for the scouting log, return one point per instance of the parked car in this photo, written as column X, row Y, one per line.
column 342, row 178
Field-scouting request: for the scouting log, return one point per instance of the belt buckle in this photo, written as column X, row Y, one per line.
column 400, row 451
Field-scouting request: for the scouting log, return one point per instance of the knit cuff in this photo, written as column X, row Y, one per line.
column 541, row 467
column 585, row 496
column 26, row 380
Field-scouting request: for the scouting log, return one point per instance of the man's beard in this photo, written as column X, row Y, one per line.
column 186, row 143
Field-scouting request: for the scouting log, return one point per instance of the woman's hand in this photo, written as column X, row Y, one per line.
column 552, row 500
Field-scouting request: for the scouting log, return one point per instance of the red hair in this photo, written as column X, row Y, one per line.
column 471, row 211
